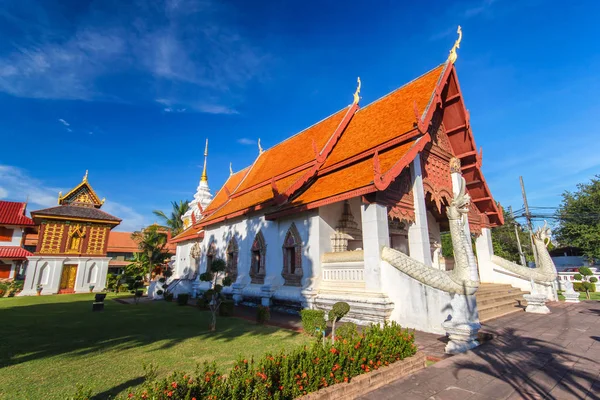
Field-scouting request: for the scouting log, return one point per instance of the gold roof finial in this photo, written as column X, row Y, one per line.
column 453, row 56
column 356, row 94
column 260, row 149
column 204, row 177
column 230, row 170
column 85, row 176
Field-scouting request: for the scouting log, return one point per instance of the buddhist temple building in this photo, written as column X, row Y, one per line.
column 14, row 226
column 71, row 250
column 352, row 209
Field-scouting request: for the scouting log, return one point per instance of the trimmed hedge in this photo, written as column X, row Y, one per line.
column 287, row 375
column 578, row 287
column 182, row 299
column 313, row 319
column 263, row 315
column 226, row 308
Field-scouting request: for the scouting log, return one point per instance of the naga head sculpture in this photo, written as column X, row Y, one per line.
column 460, row 203
column 543, row 233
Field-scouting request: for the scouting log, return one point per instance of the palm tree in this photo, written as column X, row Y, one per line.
column 152, row 245
column 174, row 222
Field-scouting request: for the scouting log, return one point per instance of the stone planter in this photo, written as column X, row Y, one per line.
column 365, row 383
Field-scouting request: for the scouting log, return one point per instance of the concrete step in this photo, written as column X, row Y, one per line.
column 500, row 292
column 499, row 308
column 497, row 313
column 491, row 300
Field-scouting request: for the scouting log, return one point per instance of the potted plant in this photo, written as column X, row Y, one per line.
column 38, row 289
column 91, row 288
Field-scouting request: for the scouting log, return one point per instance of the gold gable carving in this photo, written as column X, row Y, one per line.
column 83, row 195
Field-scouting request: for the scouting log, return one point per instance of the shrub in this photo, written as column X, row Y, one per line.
column 162, row 280
column 226, row 308
column 182, row 299
column 169, row 296
column 577, row 277
column 263, row 315
column 287, row 375
column 202, row 303
column 593, row 279
column 313, row 320
column 346, row 331
column 579, row 287
column 159, row 292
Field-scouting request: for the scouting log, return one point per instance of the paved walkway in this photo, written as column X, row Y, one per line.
column 554, row 356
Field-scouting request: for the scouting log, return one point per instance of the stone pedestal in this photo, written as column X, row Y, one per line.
column 571, row 296
column 236, row 288
column 536, row 303
column 266, row 292
column 309, row 295
column 464, row 324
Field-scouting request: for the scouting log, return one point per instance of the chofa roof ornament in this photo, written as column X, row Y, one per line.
column 453, row 56
column 260, row 149
column 356, row 94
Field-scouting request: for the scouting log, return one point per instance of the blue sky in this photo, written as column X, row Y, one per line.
column 130, row 90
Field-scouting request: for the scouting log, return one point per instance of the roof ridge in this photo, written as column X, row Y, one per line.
column 401, row 87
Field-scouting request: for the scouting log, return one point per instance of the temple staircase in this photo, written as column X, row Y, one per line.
column 496, row 300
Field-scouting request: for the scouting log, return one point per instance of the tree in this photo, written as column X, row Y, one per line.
column 152, row 245
column 338, row 311
column 587, row 279
column 174, row 222
column 579, row 219
column 216, row 272
column 504, row 240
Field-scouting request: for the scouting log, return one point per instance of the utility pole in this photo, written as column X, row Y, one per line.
column 528, row 217
column 516, row 225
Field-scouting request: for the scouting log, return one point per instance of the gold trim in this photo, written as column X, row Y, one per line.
column 357, row 92
column 453, row 55
column 63, row 218
column 96, row 200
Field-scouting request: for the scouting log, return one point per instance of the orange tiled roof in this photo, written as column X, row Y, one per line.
column 231, row 184
column 378, row 123
column 292, row 152
column 192, row 232
column 254, row 197
column 356, row 176
column 121, row 242
column 386, row 118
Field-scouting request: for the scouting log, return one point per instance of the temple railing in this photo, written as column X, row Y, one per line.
column 343, row 270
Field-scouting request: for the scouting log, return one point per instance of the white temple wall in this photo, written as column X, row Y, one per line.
column 184, row 264
column 47, row 271
column 274, row 232
column 417, row 306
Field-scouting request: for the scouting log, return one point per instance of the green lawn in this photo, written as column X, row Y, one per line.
column 582, row 296
column 49, row 344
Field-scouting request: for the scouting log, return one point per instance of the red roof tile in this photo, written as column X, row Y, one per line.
column 14, row 253
column 13, row 213
column 221, row 197
column 121, row 242
column 193, row 232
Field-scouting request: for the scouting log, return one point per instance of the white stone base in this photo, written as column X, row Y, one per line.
column 572, row 297
column 365, row 308
column 462, row 337
column 536, row 303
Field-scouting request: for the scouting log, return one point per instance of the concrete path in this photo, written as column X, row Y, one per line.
column 554, row 356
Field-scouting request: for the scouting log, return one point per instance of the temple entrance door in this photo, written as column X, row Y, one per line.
column 67, row 278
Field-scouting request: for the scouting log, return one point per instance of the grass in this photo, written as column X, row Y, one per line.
column 49, row 344
column 582, row 296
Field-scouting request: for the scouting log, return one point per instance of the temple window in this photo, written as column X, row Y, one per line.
column 292, row 257
column 76, row 234
column 232, row 259
column 210, row 255
column 258, row 252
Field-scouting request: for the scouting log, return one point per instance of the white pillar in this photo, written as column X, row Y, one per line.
column 376, row 234
column 485, row 250
column 418, row 232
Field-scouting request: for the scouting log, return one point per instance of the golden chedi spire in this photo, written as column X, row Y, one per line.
column 204, row 177
column 453, row 55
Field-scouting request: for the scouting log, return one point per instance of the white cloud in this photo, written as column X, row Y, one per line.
column 181, row 49
column 22, row 185
column 62, row 121
column 246, row 141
